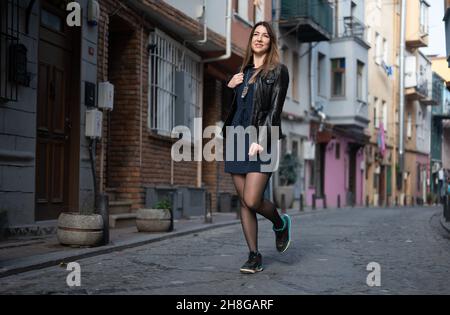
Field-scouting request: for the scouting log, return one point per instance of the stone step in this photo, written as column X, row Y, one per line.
column 116, row 207
column 121, row 220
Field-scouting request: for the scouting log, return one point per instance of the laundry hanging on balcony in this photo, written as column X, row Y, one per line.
column 389, row 69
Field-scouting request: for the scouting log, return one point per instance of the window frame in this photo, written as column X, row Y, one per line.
column 338, row 70
column 161, row 97
column 321, row 62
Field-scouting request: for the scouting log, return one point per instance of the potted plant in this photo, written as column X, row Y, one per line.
column 156, row 219
column 287, row 173
column 80, row 229
column 84, row 228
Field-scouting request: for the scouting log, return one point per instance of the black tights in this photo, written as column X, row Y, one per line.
column 250, row 188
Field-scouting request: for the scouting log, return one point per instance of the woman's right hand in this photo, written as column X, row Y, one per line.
column 237, row 79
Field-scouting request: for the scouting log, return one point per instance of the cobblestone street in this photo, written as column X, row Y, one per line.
column 329, row 254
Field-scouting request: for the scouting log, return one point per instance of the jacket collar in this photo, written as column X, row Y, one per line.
column 250, row 65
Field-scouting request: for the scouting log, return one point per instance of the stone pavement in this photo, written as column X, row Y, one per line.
column 333, row 251
column 29, row 253
column 25, row 254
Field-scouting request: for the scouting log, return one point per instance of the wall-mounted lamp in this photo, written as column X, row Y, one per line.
column 93, row 12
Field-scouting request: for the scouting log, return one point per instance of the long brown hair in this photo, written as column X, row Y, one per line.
column 272, row 58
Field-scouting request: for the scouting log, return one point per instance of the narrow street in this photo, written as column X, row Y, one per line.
column 329, row 253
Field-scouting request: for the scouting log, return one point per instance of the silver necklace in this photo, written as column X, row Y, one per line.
column 245, row 90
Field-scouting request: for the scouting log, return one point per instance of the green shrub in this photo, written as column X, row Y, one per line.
column 163, row 204
column 289, row 165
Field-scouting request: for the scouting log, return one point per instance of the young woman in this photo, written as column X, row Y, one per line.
column 259, row 92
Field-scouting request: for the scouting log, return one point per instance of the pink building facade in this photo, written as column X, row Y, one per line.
column 341, row 180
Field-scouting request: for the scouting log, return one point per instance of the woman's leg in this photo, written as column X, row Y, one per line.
column 255, row 183
column 248, row 217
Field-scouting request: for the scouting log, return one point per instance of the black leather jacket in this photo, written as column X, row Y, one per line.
column 268, row 100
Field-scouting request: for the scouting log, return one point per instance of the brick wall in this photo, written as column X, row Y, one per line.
column 214, row 177
column 137, row 157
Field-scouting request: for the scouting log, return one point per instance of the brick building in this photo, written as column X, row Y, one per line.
column 165, row 72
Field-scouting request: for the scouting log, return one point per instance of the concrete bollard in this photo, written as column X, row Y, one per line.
column 447, row 208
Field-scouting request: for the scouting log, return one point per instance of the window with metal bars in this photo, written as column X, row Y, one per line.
column 9, row 43
column 170, row 61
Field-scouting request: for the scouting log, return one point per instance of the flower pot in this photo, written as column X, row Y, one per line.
column 80, row 229
column 286, row 192
column 153, row 220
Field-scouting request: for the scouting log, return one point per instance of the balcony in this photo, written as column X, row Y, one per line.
column 417, row 27
column 348, row 113
column 309, row 20
column 354, row 28
column 443, row 110
column 418, row 79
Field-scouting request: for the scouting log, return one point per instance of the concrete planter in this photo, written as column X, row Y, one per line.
column 81, row 230
column 153, row 220
column 288, row 193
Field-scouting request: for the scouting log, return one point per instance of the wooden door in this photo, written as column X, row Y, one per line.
column 53, row 114
column 352, row 174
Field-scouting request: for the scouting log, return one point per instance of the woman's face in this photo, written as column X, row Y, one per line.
column 260, row 40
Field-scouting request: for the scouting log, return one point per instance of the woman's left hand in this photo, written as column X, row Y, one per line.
column 255, row 148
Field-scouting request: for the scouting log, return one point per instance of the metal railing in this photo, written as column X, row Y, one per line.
column 319, row 11
column 354, row 27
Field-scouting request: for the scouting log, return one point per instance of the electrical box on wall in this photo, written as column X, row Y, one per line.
column 94, row 119
column 106, row 95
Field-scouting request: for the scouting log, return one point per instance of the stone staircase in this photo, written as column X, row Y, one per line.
column 120, row 213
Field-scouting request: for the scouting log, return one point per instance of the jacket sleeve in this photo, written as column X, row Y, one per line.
column 279, row 91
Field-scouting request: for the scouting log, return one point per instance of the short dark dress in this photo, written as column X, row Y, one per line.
column 242, row 117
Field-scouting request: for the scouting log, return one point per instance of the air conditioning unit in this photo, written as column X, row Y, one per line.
column 410, row 71
column 309, row 150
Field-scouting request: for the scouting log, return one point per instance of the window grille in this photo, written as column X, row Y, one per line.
column 9, row 37
column 167, row 58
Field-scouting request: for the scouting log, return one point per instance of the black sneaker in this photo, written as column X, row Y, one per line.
column 283, row 235
column 253, row 264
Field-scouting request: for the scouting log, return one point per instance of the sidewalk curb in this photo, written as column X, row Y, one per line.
column 52, row 259
column 444, row 224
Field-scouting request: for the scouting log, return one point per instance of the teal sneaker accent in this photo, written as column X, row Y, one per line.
column 283, row 236
column 280, row 229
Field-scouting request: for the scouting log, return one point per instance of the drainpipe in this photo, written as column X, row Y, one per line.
column 205, row 28
column 311, row 77
column 402, row 88
column 227, row 54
